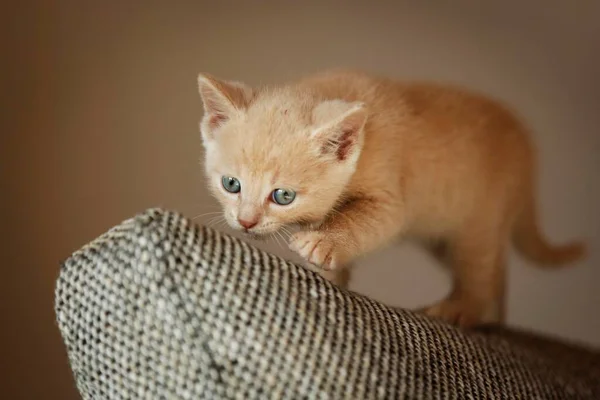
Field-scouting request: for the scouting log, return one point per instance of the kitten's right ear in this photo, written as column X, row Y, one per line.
column 222, row 100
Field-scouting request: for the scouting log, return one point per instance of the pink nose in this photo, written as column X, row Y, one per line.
column 247, row 224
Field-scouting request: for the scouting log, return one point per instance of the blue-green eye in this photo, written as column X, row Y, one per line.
column 231, row 184
column 283, row 197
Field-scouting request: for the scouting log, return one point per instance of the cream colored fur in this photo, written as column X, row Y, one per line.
column 373, row 160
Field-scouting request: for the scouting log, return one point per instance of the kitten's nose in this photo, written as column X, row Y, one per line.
column 247, row 224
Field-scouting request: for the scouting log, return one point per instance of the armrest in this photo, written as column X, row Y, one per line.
column 159, row 308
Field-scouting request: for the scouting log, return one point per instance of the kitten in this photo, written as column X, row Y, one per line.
column 360, row 160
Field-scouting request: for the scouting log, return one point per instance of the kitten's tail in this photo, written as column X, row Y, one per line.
column 530, row 242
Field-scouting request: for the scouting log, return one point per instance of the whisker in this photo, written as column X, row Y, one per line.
column 285, row 240
column 281, row 232
column 282, row 238
column 272, row 235
column 214, row 220
column 286, row 231
column 218, row 223
column 222, row 224
column 205, row 214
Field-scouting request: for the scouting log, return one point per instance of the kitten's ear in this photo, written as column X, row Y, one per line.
column 339, row 131
column 221, row 99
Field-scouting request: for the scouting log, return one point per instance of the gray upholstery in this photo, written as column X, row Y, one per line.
column 157, row 308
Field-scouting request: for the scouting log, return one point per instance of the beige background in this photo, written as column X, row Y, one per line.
column 100, row 116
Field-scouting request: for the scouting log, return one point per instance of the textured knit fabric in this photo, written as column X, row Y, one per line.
column 157, row 308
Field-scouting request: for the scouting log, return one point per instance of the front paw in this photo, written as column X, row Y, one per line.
column 317, row 248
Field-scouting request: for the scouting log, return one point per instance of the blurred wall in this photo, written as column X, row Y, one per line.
column 100, row 116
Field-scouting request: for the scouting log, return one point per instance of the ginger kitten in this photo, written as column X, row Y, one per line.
column 360, row 160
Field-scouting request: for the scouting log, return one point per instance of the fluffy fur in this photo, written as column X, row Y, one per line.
column 373, row 160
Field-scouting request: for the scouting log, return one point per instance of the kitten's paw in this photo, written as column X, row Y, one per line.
column 461, row 312
column 317, row 248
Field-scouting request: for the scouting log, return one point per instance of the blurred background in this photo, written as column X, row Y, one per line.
column 100, row 121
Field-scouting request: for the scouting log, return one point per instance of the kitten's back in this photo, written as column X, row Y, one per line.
column 451, row 151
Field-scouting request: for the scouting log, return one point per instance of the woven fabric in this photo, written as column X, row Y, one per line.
column 157, row 308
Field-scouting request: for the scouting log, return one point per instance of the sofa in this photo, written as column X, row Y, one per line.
column 160, row 308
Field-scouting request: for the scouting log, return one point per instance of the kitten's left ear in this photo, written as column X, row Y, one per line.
column 340, row 127
column 221, row 99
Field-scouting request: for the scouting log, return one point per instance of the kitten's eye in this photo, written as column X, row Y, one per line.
column 283, row 197
column 231, row 184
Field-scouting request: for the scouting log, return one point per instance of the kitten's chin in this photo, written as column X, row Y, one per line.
column 261, row 236
column 256, row 236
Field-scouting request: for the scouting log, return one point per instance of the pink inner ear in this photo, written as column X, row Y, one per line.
column 216, row 120
column 345, row 144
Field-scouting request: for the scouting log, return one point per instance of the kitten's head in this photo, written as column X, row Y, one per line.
column 277, row 156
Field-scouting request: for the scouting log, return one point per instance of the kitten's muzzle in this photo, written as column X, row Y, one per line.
column 247, row 224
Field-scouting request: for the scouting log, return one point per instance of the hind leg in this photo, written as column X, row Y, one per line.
column 477, row 259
